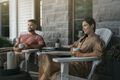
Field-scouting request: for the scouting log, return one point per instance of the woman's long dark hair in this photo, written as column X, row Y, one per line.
column 84, row 37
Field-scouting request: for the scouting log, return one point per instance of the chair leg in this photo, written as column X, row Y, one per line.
column 26, row 61
column 64, row 71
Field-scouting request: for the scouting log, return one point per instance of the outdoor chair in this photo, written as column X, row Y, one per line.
column 24, row 64
column 105, row 34
column 11, row 57
column 13, row 72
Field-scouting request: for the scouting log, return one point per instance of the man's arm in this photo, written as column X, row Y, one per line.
column 32, row 46
column 28, row 46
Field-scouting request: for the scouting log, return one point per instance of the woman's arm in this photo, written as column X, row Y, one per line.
column 79, row 54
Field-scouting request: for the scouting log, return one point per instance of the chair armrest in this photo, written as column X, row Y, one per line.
column 72, row 59
column 66, row 46
column 65, row 65
column 27, row 54
column 30, row 50
column 6, row 49
column 60, row 53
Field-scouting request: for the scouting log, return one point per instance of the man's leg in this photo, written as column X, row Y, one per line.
column 20, row 57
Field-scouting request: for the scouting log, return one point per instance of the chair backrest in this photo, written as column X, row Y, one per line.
column 36, row 31
column 105, row 34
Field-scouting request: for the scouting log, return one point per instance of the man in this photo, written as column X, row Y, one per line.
column 31, row 40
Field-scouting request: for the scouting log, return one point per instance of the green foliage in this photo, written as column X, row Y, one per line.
column 4, row 42
column 113, row 53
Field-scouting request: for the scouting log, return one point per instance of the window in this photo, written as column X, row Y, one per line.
column 5, row 19
column 81, row 9
column 41, row 12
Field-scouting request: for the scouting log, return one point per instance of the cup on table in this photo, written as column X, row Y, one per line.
column 75, row 49
column 21, row 45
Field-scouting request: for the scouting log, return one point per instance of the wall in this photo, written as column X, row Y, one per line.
column 56, row 21
column 13, row 19
column 3, row 0
column 25, row 12
column 20, row 12
column 106, row 13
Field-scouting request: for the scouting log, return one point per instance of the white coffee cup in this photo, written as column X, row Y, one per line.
column 21, row 45
column 75, row 49
column 57, row 45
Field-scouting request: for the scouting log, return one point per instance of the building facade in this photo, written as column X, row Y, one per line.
column 60, row 19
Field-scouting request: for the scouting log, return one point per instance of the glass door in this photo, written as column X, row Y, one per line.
column 81, row 9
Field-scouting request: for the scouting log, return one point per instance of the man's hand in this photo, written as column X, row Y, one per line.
column 26, row 46
column 16, row 49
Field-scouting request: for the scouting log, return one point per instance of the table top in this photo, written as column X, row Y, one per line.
column 51, row 51
column 56, row 52
column 30, row 50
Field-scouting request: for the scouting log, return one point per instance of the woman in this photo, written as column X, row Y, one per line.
column 88, row 45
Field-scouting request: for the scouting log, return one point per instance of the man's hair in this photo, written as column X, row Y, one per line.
column 90, row 21
column 33, row 21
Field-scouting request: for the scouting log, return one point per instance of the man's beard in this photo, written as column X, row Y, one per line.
column 31, row 30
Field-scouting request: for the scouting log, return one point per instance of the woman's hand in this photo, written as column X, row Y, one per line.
column 78, row 54
column 73, row 53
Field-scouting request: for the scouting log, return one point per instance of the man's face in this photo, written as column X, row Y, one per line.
column 31, row 27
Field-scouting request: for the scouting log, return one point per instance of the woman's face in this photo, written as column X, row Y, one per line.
column 87, row 28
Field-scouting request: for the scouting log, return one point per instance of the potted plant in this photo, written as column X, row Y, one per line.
column 4, row 42
column 113, row 54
